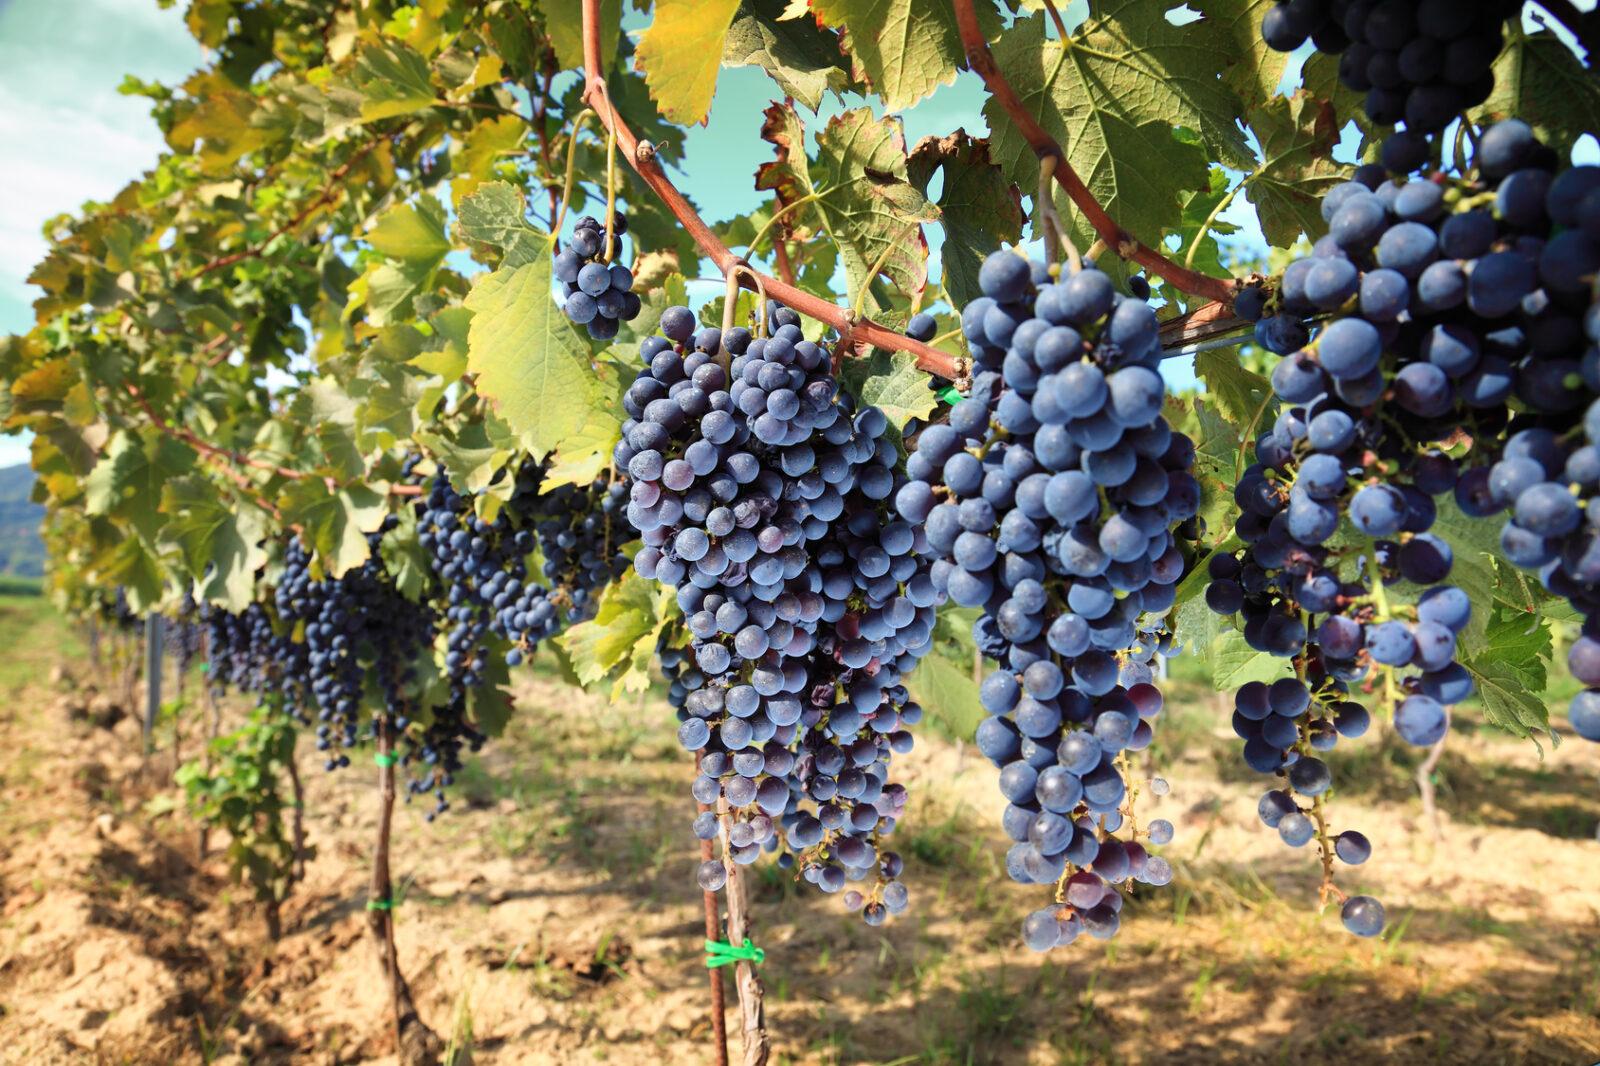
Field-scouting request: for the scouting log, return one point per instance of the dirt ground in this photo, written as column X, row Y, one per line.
column 551, row 916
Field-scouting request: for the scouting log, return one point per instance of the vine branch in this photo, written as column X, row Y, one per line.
column 641, row 155
column 981, row 60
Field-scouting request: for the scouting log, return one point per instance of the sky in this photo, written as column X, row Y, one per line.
column 68, row 135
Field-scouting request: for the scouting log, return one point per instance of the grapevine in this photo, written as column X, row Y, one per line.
column 392, row 383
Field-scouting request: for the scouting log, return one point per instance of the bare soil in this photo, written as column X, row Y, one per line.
column 551, row 917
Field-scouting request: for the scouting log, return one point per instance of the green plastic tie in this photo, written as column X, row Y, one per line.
column 722, row 953
column 384, row 760
column 949, row 395
column 380, row 904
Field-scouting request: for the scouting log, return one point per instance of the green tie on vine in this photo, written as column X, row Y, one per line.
column 722, row 953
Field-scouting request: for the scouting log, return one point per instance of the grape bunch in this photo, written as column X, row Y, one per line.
column 360, row 630
column 596, row 293
column 1050, row 499
column 1447, row 298
column 480, row 572
column 1421, row 62
column 761, row 496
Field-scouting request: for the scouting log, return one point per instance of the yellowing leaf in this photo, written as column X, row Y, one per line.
column 904, row 48
column 680, row 54
column 412, row 231
column 530, row 362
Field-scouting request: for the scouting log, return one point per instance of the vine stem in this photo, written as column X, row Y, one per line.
column 641, row 155
column 719, row 1003
column 746, row 982
column 415, row 1043
column 981, row 60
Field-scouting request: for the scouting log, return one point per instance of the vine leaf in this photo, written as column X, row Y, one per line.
column 469, row 456
column 563, row 21
column 978, row 207
column 789, row 172
column 219, row 539
column 905, row 49
column 801, row 57
column 333, row 523
column 1253, row 70
column 495, row 215
column 1233, row 662
column 680, row 53
column 481, row 150
column 620, row 641
column 873, row 210
column 1540, row 81
column 948, row 695
column 126, row 483
column 529, row 360
column 1297, row 134
column 892, row 383
column 1113, row 100
column 1239, row 392
column 1510, row 672
column 392, row 79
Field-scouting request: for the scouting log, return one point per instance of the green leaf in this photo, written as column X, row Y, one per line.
column 1540, row 81
column 904, row 49
column 220, row 539
column 892, row 383
column 948, row 695
column 528, row 358
column 469, row 457
column 481, row 150
column 392, row 79
column 1510, row 672
column 1297, row 134
column 413, row 231
column 1241, row 394
column 1250, row 68
column 680, row 53
column 126, row 483
column 873, row 210
column 1475, row 546
column 1233, row 662
column 978, row 208
column 495, row 214
column 620, row 641
column 802, row 58
column 335, row 523
column 563, row 21
column 1113, row 101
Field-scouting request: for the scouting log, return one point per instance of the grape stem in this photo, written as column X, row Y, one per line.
column 1047, row 208
column 641, row 155
column 981, row 61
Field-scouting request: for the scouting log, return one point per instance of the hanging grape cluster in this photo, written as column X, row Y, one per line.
column 762, row 496
column 1050, row 500
column 597, row 293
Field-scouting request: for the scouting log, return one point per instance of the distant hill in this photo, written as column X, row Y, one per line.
column 21, row 547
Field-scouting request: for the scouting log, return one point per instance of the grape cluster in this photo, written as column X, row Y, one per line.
column 1050, row 500
column 481, row 575
column 1446, row 299
column 596, row 292
column 761, row 494
column 360, row 630
column 1421, row 62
